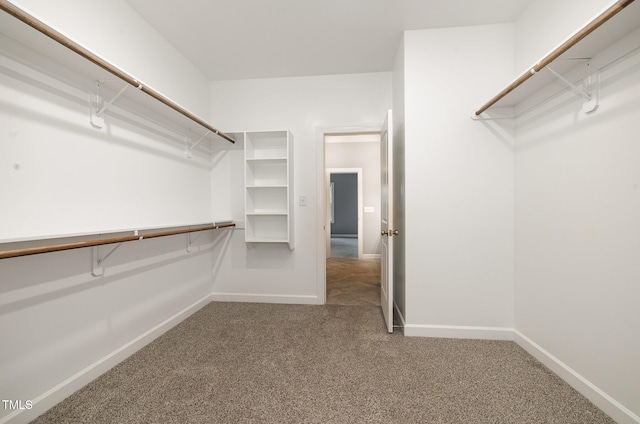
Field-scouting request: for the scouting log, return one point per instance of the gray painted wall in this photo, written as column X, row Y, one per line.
column 345, row 204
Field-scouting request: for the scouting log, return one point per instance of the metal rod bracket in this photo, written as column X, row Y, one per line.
column 577, row 90
column 590, row 92
column 99, row 107
column 190, row 147
column 190, row 246
column 97, row 268
column 94, row 104
column 592, row 83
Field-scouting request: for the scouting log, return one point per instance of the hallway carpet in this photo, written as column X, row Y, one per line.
column 266, row 363
column 344, row 247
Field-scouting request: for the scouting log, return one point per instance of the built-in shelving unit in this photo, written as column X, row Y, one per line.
column 269, row 187
column 616, row 22
column 27, row 40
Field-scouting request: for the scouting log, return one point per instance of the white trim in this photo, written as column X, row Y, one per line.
column 458, row 332
column 589, row 390
column 371, row 256
column 597, row 396
column 370, row 137
column 267, row 298
column 57, row 394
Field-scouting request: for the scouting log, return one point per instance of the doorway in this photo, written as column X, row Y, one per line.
column 352, row 218
column 344, row 221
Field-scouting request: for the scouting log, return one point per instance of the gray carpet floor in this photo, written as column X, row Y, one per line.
column 262, row 363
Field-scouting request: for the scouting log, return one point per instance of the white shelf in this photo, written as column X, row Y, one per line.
column 265, row 240
column 267, row 173
column 615, row 29
column 269, row 187
column 267, row 229
column 42, row 54
column 273, row 159
column 264, row 212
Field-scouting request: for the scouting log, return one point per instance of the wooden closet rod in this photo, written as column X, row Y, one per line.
column 89, row 243
column 73, row 46
column 583, row 32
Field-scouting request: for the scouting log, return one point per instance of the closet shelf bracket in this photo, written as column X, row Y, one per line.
column 579, row 91
column 99, row 107
column 589, row 93
column 190, row 240
column 190, row 147
column 97, row 268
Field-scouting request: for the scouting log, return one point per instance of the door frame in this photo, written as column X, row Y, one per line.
column 387, row 221
column 321, row 200
column 358, row 172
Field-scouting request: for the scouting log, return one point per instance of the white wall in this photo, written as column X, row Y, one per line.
column 115, row 32
column 38, row 104
column 459, row 185
column 227, row 181
column 365, row 155
column 545, row 24
column 60, row 176
column 62, row 326
column 577, row 245
column 302, row 105
column 575, row 209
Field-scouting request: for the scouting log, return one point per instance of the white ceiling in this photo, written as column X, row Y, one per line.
column 238, row 39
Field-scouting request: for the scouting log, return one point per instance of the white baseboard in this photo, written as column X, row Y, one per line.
column 265, row 298
column 458, row 332
column 589, row 390
column 370, row 256
column 57, row 394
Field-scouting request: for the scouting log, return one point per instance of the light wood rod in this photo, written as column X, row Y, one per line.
column 97, row 60
column 583, row 32
column 90, row 243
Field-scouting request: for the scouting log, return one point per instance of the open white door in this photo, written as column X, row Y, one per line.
column 387, row 225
